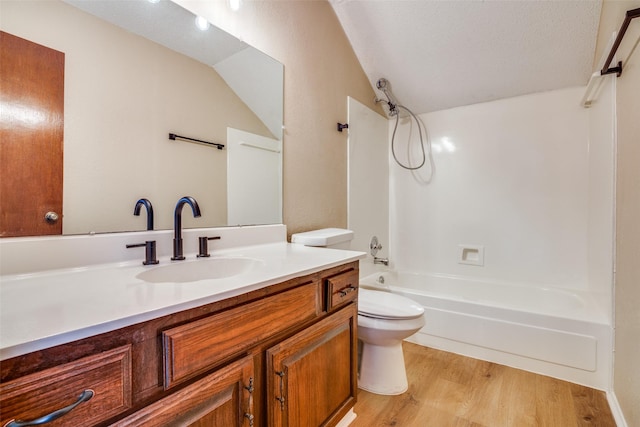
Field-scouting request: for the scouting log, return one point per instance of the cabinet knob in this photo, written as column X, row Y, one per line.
column 51, row 217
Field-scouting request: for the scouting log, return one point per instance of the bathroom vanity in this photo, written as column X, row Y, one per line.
column 273, row 353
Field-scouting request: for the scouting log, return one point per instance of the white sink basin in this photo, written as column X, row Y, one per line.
column 201, row 269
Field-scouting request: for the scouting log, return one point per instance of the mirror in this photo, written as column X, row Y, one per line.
column 137, row 70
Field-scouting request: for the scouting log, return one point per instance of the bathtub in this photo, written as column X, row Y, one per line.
column 550, row 331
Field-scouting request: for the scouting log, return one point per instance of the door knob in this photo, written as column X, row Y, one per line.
column 51, row 217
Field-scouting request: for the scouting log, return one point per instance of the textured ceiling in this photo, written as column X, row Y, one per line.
column 443, row 54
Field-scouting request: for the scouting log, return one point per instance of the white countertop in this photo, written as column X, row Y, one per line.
column 43, row 309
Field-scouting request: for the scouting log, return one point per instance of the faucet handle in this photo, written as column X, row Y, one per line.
column 203, row 246
column 149, row 251
column 375, row 246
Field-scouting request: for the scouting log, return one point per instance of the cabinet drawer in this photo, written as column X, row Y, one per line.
column 341, row 288
column 222, row 398
column 107, row 374
column 195, row 347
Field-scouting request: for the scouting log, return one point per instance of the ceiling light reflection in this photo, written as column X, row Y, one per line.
column 202, row 23
column 445, row 144
column 448, row 145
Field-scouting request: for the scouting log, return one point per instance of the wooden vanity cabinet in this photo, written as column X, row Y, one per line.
column 284, row 355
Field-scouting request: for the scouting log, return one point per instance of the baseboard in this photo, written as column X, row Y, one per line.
column 347, row 419
column 618, row 416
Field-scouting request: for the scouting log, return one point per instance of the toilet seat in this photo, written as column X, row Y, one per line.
column 386, row 305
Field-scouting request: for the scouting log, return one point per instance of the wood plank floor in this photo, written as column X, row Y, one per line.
column 448, row 390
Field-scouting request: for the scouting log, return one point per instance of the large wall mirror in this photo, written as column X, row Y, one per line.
column 137, row 70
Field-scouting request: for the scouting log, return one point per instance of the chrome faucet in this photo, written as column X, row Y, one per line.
column 178, row 253
column 375, row 246
column 147, row 204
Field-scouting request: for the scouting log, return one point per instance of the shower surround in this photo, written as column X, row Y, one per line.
column 521, row 191
column 528, row 182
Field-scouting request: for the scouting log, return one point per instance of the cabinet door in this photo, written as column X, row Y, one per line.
column 221, row 399
column 311, row 377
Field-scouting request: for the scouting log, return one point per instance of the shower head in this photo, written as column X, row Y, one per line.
column 382, row 84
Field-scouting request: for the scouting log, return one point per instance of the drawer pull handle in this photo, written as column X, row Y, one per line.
column 248, row 415
column 281, row 398
column 250, row 418
column 345, row 291
column 249, row 387
column 84, row 397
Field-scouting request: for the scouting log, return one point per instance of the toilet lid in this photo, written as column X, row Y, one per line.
column 386, row 305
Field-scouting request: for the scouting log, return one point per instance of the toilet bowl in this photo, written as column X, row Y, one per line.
column 384, row 320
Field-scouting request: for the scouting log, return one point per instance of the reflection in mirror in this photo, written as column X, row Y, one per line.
column 127, row 86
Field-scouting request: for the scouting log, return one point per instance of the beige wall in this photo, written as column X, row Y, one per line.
column 627, row 284
column 320, row 71
column 626, row 381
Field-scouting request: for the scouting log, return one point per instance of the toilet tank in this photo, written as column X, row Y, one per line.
column 336, row 238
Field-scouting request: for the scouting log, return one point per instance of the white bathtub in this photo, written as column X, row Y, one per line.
column 551, row 331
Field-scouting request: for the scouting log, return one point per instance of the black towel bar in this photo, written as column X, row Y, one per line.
column 173, row 136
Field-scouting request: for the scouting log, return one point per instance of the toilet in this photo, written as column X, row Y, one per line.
column 384, row 320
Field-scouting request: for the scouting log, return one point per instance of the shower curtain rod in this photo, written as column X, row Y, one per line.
column 596, row 79
column 631, row 14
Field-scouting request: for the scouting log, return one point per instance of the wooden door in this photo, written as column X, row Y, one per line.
column 311, row 377
column 221, row 399
column 31, row 137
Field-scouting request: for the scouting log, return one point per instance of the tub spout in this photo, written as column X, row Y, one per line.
column 377, row 260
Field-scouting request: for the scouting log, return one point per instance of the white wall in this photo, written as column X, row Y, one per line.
column 601, row 193
column 512, row 176
column 368, row 191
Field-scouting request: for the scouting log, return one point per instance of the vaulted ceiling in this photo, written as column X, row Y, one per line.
column 439, row 54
